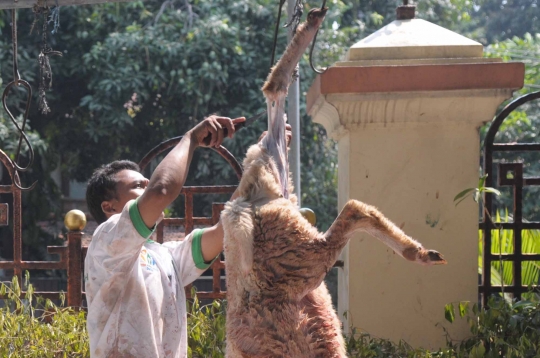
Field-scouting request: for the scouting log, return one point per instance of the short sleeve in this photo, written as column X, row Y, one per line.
column 116, row 244
column 137, row 221
column 188, row 258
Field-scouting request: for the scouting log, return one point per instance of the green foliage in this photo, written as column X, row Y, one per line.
column 9, row 138
column 522, row 126
column 39, row 329
column 502, row 242
column 504, row 329
column 475, row 192
column 362, row 345
column 496, row 20
column 523, row 49
column 206, row 328
column 34, row 327
column 134, row 74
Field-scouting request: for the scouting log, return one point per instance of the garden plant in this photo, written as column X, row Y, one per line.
column 34, row 327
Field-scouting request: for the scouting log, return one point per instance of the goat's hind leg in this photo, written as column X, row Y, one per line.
column 357, row 216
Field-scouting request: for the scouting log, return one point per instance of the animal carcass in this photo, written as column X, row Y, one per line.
column 278, row 304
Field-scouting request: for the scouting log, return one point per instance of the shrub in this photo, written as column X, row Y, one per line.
column 39, row 329
column 362, row 345
column 34, row 327
column 504, row 329
column 206, row 328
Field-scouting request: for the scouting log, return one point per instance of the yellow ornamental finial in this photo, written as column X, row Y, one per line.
column 309, row 215
column 75, row 220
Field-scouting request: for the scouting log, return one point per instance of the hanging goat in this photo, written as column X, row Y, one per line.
column 278, row 304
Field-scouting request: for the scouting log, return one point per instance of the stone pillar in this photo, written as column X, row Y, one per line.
column 405, row 108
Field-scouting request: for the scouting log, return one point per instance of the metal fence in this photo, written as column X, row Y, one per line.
column 71, row 256
column 507, row 174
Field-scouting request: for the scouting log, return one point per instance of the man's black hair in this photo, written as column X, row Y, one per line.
column 102, row 186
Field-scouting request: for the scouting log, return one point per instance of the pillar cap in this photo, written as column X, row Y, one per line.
column 414, row 39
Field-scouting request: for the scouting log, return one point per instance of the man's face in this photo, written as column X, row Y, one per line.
column 130, row 185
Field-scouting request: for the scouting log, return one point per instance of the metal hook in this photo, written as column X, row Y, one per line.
column 23, row 135
column 17, row 81
column 321, row 71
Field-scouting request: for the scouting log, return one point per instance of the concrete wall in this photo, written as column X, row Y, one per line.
column 409, row 154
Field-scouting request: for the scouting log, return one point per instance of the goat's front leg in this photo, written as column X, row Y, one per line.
column 357, row 216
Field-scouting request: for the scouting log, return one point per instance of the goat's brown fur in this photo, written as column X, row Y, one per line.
column 280, row 75
column 278, row 304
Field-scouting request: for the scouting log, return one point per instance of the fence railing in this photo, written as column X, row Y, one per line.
column 508, row 174
column 71, row 256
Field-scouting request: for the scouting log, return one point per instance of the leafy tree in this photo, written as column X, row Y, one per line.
column 523, row 124
column 135, row 74
column 499, row 20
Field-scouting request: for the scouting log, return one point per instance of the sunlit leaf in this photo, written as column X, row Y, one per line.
column 449, row 312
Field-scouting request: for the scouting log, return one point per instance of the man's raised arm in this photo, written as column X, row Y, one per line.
column 170, row 175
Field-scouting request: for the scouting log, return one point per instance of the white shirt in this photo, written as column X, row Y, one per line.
column 135, row 289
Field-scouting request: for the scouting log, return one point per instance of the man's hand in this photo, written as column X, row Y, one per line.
column 214, row 128
column 170, row 175
column 288, row 134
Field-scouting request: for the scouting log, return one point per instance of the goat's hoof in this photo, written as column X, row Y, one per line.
column 432, row 257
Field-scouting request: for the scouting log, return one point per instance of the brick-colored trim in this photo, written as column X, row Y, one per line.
column 411, row 78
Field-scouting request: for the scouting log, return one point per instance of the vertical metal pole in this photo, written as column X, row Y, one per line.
column 74, row 271
column 293, row 115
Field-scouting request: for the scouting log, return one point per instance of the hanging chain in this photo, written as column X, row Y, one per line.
column 295, row 20
column 296, row 16
column 18, row 82
column 55, row 17
column 45, row 71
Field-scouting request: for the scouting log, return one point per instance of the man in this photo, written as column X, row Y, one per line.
column 135, row 286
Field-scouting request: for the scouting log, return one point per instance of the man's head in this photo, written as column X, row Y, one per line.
column 112, row 186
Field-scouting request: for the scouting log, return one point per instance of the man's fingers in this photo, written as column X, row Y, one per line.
column 239, row 120
column 288, row 136
column 218, row 138
column 288, row 133
column 234, row 122
column 214, row 127
column 212, row 130
column 220, row 135
column 228, row 124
